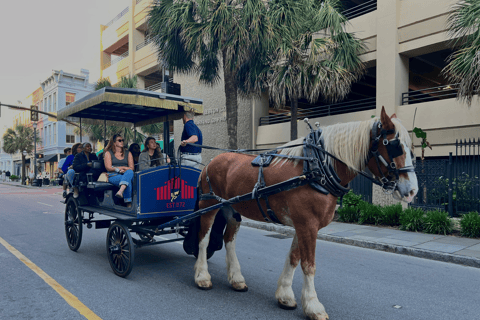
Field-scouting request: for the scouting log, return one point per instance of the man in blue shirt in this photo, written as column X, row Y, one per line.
column 191, row 156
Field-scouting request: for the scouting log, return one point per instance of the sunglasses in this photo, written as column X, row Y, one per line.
column 120, row 140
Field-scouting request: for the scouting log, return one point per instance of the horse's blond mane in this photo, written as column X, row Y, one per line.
column 347, row 141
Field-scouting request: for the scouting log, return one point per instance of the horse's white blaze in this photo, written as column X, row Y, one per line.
column 201, row 267
column 233, row 266
column 284, row 292
column 310, row 303
column 405, row 186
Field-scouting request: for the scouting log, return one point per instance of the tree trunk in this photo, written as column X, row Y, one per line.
column 293, row 123
column 23, row 169
column 231, row 105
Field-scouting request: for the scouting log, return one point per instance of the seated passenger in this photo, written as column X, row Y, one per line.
column 135, row 151
column 119, row 165
column 82, row 164
column 68, row 167
column 151, row 155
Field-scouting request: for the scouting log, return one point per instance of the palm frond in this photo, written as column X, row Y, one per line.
column 464, row 65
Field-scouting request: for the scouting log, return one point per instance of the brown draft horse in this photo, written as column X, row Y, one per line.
column 303, row 208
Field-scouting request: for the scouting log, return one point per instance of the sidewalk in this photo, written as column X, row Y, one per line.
column 464, row 251
column 19, row 184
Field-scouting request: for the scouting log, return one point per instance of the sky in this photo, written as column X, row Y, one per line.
column 37, row 37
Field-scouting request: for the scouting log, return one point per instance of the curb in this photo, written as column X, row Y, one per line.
column 419, row 253
column 27, row 187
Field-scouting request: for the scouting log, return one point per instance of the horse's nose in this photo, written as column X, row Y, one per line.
column 413, row 192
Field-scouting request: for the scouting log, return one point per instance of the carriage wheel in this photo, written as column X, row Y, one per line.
column 120, row 249
column 73, row 224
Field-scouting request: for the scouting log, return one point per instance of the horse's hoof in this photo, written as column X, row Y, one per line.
column 286, row 306
column 318, row 317
column 204, row 285
column 240, row 287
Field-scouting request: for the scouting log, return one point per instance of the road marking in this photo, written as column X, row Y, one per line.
column 64, row 293
column 45, row 204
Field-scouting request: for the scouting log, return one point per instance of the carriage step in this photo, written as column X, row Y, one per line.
column 119, row 214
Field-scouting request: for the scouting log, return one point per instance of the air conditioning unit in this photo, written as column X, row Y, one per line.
column 171, row 88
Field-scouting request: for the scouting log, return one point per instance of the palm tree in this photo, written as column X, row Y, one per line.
column 464, row 65
column 209, row 39
column 302, row 66
column 19, row 140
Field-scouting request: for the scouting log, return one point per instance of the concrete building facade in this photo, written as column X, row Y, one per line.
column 407, row 46
column 59, row 90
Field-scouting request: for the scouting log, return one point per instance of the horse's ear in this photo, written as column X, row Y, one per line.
column 385, row 119
column 393, row 116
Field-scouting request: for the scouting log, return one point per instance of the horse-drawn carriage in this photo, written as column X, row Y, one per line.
column 297, row 184
column 161, row 195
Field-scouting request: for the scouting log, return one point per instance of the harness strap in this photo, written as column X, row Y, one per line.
column 261, row 184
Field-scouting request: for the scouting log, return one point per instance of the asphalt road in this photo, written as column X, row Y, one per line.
column 351, row 282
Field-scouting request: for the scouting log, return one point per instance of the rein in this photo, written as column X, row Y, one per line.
column 317, row 172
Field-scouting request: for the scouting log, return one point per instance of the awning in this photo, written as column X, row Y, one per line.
column 49, row 158
column 118, row 106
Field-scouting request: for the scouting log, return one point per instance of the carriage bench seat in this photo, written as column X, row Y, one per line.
column 101, row 186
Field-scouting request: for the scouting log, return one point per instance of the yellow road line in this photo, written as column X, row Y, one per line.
column 64, row 293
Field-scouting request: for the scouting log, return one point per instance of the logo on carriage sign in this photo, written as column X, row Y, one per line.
column 175, row 189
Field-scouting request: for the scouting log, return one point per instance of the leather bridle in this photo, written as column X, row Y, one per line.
column 394, row 149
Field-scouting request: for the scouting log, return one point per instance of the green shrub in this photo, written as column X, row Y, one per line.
column 369, row 213
column 14, row 177
column 348, row 214
column 391, row 214
column 412, row 219
column 470, row 225
column 437, row 222
column 351, row 199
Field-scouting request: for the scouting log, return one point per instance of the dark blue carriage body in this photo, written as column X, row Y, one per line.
column 166, row 191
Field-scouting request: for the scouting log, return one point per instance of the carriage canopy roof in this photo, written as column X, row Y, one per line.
column 122, row 105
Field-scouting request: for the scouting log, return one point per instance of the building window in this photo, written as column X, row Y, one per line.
column 45, row 105
column 54, row 133
column 70, row 98
column 50, row 134
column 41, row 137
column 55, row 102
column 70, row 134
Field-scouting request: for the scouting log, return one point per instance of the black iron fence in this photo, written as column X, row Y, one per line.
column 362, row 186
column 451, row 184
column 322, row 111
column 430, row 94
column 361, row 9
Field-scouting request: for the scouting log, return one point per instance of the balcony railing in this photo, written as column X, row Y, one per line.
column 430, row 94
column 155, row 87
column 143, row 44
column 121, row 14
column 361, row 9
column 322, row 111
column 138, row 1
column 115, row 60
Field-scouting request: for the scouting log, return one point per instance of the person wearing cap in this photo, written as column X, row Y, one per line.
column 190, row 155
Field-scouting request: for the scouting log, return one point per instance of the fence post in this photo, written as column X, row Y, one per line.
column 450, row 186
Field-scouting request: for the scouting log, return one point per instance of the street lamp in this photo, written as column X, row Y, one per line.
column 35, row 149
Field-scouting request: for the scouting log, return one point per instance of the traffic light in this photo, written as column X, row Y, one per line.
column 33, row 113
column 40, row 156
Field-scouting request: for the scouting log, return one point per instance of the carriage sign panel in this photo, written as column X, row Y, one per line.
column 166, row 191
